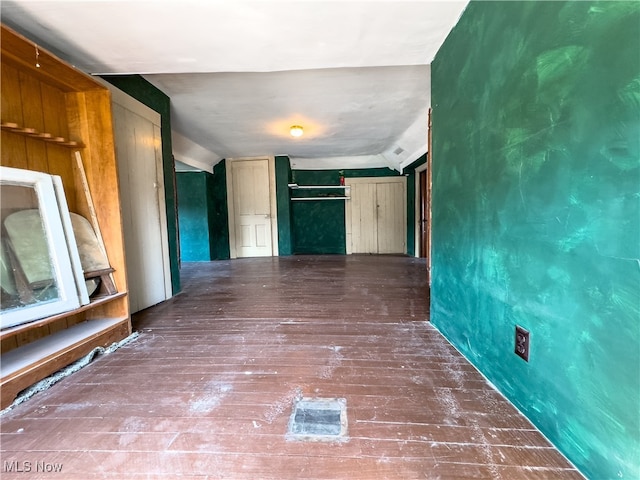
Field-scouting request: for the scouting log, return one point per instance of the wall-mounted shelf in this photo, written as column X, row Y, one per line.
column 95, row 302
column 301, row 199
column 33, row 133
column 346, row 188
column 295, row 186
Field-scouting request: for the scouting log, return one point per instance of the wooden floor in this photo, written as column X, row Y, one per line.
column 206, row 390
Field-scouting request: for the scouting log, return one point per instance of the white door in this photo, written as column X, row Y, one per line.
column 376, row 215
column 139, row 155
column 251, row 200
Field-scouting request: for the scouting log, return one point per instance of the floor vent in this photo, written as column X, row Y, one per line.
column 318, row 419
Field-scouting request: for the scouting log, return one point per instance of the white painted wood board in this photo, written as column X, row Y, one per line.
column 37, row 351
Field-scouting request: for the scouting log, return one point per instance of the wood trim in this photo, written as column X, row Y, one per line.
column 417, row 239
column 21, row 52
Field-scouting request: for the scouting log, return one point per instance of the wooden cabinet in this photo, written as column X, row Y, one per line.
column 51, row 111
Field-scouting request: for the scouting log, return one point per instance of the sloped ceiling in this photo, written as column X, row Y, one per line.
column 355, row 75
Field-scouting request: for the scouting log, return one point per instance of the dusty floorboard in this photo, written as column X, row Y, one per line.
column 207, row 389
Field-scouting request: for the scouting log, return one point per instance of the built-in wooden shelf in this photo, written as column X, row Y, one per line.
column 75, row 110
column 33, row 133
column 24, row 366
column 95, row 302
column 18, row 359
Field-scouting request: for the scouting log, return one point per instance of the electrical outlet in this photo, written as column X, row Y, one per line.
column 522, row 343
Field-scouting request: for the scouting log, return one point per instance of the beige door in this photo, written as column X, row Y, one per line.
column 391, row 217
column 364, row 231
column 376, row 215
column 139, row 156
column 250, row 219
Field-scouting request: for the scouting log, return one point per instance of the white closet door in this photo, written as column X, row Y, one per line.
column 376, row 215
column 139, row 155
column 252, row 208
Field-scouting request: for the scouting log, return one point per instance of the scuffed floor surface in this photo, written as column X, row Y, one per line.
column 206, row 390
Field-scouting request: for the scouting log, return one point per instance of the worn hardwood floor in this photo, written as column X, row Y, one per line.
column 206, row 390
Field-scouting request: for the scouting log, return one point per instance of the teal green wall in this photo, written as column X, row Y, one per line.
column 536, row 215
column 144, row 92
column 411, row 213
column 283, row 205
column 193, row 216
column 368, row 172
column 218, row 212
column 317, row 226
column 203, row 215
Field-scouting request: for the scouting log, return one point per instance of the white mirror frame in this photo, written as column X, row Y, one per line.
column 72, row 247
column 65, row 273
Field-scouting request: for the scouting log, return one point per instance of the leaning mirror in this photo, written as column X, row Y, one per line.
column 37, row 276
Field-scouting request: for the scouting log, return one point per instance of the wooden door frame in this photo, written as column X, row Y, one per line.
column 418, row 170
column 367, row 180
column 273, row 211
column 428, row 166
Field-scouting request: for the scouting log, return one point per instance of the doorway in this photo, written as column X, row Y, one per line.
column 423, row 215
column 251, row 202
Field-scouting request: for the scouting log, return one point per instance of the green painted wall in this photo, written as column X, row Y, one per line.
column 411, row 213
column 283, row 205
column 368, row 172
column 218, row 212
column 319, row 226
column 203, row 214
column 144, row 92
column 536, row 215
column 193, row 216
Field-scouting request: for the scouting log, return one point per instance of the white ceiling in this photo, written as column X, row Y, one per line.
column 239, row 73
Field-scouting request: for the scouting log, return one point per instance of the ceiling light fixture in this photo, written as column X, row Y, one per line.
column 296, row 131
